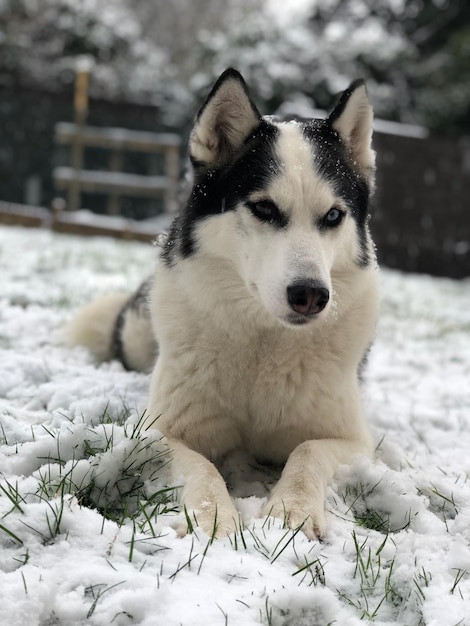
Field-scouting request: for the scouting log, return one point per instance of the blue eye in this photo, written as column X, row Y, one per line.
column 333, row 217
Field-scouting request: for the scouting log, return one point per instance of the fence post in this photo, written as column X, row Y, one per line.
column 81, row 111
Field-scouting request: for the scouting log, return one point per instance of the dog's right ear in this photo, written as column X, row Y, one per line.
column 225, row 120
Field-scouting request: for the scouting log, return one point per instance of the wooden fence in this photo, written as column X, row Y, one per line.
column 113, row 182
column 81, row 222
column 421, row 219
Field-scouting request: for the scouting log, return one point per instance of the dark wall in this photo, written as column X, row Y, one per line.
column 421, row 220
column 28, row 154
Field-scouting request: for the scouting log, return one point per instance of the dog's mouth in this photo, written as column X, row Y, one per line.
column 295, row 319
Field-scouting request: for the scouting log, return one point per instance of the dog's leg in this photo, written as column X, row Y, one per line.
column 299, row 496
column 204, row 492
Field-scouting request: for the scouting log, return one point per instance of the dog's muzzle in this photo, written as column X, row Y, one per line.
column 307, row 298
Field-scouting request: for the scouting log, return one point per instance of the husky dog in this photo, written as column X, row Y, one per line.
column 263, row 305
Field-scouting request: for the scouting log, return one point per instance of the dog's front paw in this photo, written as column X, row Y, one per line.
column 216, row 522
column 297, row 514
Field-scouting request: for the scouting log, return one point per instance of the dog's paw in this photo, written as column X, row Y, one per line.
column 296, row 514
column 215, row 522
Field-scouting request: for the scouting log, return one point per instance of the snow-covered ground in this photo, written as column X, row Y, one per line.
column 86, row 526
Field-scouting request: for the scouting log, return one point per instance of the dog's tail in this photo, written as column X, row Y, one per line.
column 93, row 326
column 117, row 326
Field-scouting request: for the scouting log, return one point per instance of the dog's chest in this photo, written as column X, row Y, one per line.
column 268, row 379
column 278, row 392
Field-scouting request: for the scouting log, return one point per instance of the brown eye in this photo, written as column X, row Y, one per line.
column 267, row 211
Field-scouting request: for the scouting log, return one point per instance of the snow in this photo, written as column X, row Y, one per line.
column 87, row 535
column 284, row 13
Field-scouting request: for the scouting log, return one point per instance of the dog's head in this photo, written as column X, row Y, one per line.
column 285, row 202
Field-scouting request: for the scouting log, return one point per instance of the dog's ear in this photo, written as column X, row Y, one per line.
column 223, row 123
column 352, row 119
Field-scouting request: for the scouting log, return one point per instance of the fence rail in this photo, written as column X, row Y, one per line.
column 81, row 222
column 114, row 182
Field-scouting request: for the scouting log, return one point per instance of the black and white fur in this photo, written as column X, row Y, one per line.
column 264, row 304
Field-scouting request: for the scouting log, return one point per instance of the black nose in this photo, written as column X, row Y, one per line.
column 307, row 298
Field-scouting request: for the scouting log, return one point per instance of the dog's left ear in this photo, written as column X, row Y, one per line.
column 352, row 119
column 225, row 120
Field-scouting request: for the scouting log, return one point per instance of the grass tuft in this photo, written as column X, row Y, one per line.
column 315, row 570
column 11, row 534
column 357, row 497
column 118, row 470
column 375, row 577
column 97, row 592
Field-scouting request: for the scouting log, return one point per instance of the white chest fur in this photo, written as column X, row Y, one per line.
column 248, row 380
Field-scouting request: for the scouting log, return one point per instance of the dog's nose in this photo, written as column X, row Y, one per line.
column 307, row 298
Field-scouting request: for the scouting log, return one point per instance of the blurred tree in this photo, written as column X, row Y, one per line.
column 41, row 40
column 440, row 79
column 140, row 51
column 430, row 75
column 176, row 26
column 414, row 54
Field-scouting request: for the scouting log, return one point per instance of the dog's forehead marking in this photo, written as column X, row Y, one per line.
column 299, row 187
